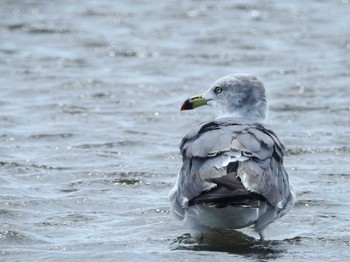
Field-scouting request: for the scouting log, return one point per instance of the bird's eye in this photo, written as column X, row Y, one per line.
column 218, row 90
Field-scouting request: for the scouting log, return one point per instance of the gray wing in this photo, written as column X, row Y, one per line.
column 228, row 162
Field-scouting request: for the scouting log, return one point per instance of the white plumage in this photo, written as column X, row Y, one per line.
column 232, row 174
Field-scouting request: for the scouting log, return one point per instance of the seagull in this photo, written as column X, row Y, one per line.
column 232, row 174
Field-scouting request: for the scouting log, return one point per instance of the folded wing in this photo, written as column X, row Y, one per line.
column 230, row 163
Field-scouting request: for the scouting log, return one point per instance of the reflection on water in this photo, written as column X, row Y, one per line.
column 234, row 242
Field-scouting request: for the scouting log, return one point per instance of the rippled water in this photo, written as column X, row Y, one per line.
column 90, row 123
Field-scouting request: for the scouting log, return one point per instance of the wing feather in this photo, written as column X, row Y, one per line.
column 208, row 151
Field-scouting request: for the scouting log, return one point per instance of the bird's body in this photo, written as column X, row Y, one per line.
column 232, row 174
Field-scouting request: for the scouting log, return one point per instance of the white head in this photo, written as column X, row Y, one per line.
column 236, row 95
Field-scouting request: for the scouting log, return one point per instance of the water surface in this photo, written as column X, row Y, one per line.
column 90, row 123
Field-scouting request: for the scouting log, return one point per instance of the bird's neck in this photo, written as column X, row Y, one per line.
column 244, row 116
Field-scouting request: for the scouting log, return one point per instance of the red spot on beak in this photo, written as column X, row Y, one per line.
column 187, row 105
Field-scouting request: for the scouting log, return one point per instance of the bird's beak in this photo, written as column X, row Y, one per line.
column 193, row 102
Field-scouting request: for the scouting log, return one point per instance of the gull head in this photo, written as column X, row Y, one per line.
column 235, row 95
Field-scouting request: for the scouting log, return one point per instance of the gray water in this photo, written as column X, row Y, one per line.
column 90, row 93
